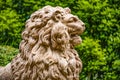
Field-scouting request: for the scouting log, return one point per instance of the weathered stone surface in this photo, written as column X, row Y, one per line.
column 46, row 51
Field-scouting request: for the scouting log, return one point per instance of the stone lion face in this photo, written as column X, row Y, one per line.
column 75, row 25
column 75, row 28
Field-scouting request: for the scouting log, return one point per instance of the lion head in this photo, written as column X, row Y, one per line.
column 46, row 51
column 53, row 23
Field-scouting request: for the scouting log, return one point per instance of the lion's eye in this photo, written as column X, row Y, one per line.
column 46, row 12
column 72, row 19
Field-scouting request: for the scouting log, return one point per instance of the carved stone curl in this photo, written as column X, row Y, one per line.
column 46, row 51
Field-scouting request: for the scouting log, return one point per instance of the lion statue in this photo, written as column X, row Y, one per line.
column 47, row 51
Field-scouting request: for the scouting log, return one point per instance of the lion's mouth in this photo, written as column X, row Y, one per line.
column 75, row 36
column 74, row 32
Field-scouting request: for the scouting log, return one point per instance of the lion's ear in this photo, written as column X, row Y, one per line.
column 67, row 10
column 59, row 37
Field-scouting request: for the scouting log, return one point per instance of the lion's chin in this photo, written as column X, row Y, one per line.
column 76, row 40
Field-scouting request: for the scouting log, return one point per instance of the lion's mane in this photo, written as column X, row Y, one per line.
column 46, row 51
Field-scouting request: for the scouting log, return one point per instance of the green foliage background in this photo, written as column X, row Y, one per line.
column 100, row 50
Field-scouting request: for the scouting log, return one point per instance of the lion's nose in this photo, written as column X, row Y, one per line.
column 83, row 26
column 82, row 23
